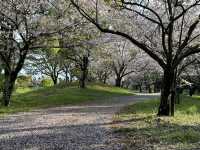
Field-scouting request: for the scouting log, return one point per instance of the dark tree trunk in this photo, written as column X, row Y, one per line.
column 71, row 78
column 104, row 80
column 127, row 85
column 83, row 78
column 55, row 81
column 118, row 81
column 66, row 72
column 105, row 77
column 7, row 91
column 167, row 87
column 66, row 78
column 149, row 87
column 146, row 87
column 155, row 87
column 140, row 87
column 8, row 88
column 84, row 71
column 10, row 75
column 173, row 93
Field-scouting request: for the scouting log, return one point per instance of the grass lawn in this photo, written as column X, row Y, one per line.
column 28, row 99
column 142, row 129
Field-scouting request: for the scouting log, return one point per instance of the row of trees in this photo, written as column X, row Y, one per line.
column 114, row 58
column 167, row 30
column 51, row 38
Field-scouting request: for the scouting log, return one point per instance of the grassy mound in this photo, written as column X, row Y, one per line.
column 27, row 99
column 143, row 129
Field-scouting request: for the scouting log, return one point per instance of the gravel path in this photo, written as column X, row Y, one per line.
column 84, row 127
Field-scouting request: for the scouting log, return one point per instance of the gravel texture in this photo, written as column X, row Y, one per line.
column 84, row 127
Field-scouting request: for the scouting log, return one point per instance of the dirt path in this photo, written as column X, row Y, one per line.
column 84, row 127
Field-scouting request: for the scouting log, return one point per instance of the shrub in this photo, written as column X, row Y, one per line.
column 46, row 83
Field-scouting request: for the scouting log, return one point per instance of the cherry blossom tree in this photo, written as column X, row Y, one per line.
column 20, row 25
column 23, row 26
column 124, row 59
column 167, row 30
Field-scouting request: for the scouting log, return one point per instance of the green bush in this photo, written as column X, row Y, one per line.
column 46, row 83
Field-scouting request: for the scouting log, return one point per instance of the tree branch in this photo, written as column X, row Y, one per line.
column 134, row 41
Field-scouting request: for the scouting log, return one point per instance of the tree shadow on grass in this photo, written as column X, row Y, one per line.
column 179, row 132
column 168, row 136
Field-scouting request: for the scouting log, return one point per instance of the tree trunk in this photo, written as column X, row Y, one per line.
column 146, row 87
column 54, row 79
column 84, row 71
column 118, row 82
column 173, row 92
column 83, row 78
column 105, row 78
column 167, row 87
column 66, row 72
column 66, row 78
column 140, row 88
column 149, row 87
column 8, row 89
column 10, row 75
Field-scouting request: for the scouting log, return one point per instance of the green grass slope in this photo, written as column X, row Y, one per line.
column 28, row 99
column 143, row 129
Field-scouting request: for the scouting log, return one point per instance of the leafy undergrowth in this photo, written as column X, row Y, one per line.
column 28, row 99
column 142, row 129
